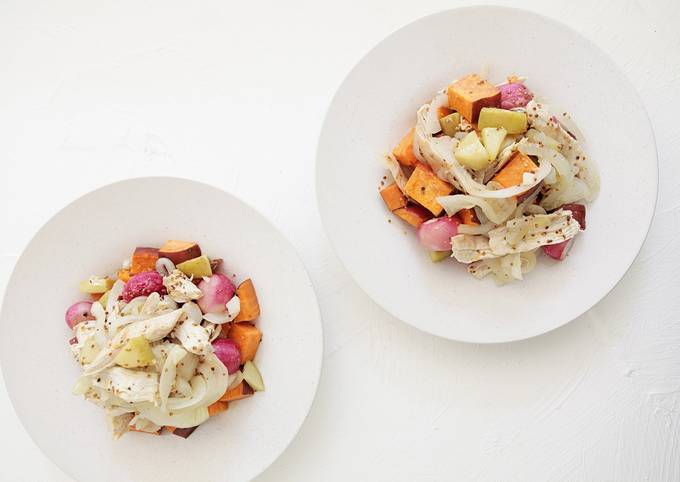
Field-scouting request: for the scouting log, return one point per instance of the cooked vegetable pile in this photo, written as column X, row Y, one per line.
column 167, row 342
column 489, row 176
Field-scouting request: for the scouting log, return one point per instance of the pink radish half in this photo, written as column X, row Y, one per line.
column 228, row 353
column 217, row 290
column 77, row 312
column 436, row 234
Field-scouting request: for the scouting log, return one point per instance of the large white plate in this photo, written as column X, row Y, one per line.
column 376, row 105
column 93, row 235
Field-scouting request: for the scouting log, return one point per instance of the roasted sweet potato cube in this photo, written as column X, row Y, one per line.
column 217, row 407
column 513, row 172
column 124, row 275
column 144, row 259
column 469, row 94
column 468, row 216
column 404, row 150
column 179, row 251
column 443, row 112
column 250, row 306
column 393, row 197
column 425, row 187
column 239, row 392
column 247, row 337
column 413, row 214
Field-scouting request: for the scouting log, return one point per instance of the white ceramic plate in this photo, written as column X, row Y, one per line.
column 93, row 235
column 376, row 105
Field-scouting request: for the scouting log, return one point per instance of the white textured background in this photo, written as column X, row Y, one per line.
column 233, row 93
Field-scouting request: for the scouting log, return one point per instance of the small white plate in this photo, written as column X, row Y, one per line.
column 93, row 235
column 376, row 106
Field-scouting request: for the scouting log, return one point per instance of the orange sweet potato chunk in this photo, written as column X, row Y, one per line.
column 413, row 214
column 468, row 216
column 247, row 337
column 250, row 307
column 425, row 187
column 124, row 275
column 239, row 392
column 443, row 112
column 469, row 94
column 513, row 171
column 393, row 197
column 404, row 150
column 144, row 259
column 217, row 407
column 179, row 251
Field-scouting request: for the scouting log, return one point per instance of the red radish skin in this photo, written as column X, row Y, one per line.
column 78, row 312
column 228, row 353
column 217, row 290
column 579, row 213
column 559, row 251
column 436, row 234
column 514, row 95
column 143, row 284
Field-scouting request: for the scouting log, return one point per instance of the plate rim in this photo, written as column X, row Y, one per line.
column 543, row 18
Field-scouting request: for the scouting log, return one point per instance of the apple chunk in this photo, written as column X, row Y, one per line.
column 471, row 153
column 492, row 138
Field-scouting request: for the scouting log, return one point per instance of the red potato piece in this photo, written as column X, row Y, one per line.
column 179, row 251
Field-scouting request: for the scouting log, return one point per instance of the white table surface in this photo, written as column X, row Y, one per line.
column 93, row 92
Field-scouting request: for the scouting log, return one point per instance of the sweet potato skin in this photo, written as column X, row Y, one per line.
column 413, row 214
column 181, row 432
column 393, row 197
column 179, row 251
column 144, row 259
column 424, row 187
column 469, row 94
column 239, row 392
column 250, row 306
column 247, row 337
column 404, row 150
